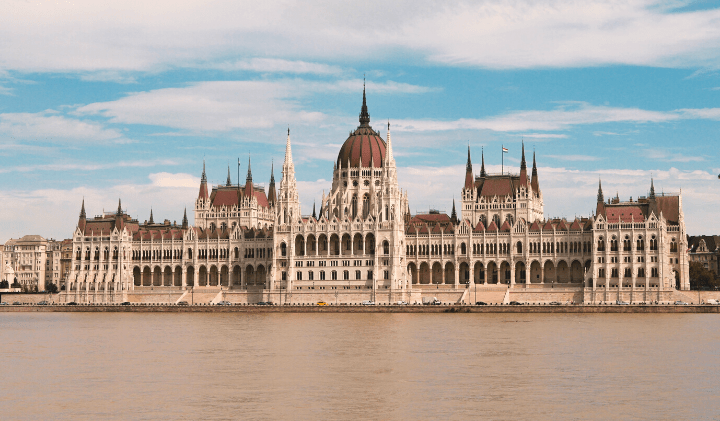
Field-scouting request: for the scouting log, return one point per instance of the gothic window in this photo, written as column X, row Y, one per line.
column 519, row 247
column 283, row 249
column 386, row 248
column 366, row 205
column 496, row 219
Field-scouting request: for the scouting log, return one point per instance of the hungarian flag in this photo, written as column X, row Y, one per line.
column 505, row 149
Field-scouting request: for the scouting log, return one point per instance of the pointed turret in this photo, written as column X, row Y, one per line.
column 482, row 165
column 523, row 168
column 364, row 116
column 314, row 215
column 229, row 181
column 453, row 215
column 600, row 208
column 249, row 181
column 151, row 221
column 118, row 217
column 272, row 197
column 288, row 196
column 652, row 189
column 389, row 159
column 534, row 181
column 203, row 194
column 185, row 220
column 469, row 179
column 83, row 217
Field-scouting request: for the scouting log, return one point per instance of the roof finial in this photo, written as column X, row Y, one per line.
column 151, row 217
column 249, row 174
column 229, row 182
column 82, row 209
column 482, row 166
column 364, row 116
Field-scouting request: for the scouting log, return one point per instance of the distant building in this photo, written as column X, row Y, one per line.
column 706, row 250
column 34, row 260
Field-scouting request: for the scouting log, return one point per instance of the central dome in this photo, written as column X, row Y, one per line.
column 364, row 146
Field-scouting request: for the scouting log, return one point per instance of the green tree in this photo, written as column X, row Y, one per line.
column 4, row 284
column 701, row 277
column 51, row 288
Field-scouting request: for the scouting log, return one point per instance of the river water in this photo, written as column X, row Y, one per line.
column 144, row 366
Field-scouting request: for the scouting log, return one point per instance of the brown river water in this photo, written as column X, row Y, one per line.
column 140, row 366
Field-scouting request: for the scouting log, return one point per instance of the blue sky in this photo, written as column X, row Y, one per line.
column 108, row 100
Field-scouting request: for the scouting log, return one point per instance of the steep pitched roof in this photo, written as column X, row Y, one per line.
column 670, row 207
column 623, row 213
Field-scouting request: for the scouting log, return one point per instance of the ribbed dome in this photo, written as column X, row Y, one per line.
column 364, row 144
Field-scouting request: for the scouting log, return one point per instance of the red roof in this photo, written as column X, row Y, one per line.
column 492, row 226
column 562, row 226
column 575, row 226
column 548, row 226
column 670, row 207
column 624, row 213
column 430, row 217
column 227, row 198
column 535, row 226
column 363, row 146
column 505, row 226
column 479, row 227
column 497, row 187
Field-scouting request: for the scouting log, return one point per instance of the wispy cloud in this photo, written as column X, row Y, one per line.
column 274, row 65
column 575, row 157
column 83, row 35
column 88, row 166
column 228, row 105
column 668, row 156
column 544, row 135
column 51, row 127
column 108, row 76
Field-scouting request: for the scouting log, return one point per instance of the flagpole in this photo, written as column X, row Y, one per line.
column 502, row 159
column 238, row 181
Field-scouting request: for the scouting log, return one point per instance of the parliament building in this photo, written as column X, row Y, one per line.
column 249, row 244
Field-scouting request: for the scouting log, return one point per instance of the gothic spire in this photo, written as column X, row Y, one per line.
column 119, row 211
column 229, row 182
column 272, row 173
column 82, row 210
column 203, row 193
column 389, row 159
column 249, row 174
column 185, row 220
column 151, row 221
column 453, row 215
column 534, row 170
column 522, row 161
column 364, row 116
column 600, row 197
column 652, row 189
column 468, row 166
column 314, row 215
column 482, row 166
column 204, row 178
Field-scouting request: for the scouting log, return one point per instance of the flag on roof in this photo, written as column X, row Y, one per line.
column 505, row 149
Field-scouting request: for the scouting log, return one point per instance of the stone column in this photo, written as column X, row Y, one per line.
column 183, row 276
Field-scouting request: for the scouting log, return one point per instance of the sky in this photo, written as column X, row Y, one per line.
column 125, row 99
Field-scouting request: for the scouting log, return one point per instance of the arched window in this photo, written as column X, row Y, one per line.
column 462, row 248
column 519, row 247
column 386, row 248
column 283, row 250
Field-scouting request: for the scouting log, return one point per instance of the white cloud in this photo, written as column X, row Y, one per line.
column 88, row 167
column 668, row 156
column 561, row 118
column 544, row 135
column 227, row 105
column 273, row 65
column 51, row 127
column 575, row 157
column 131, row 35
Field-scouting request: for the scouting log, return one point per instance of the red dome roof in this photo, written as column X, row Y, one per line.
column 363, row 146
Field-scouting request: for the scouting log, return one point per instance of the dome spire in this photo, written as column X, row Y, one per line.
column 364, row 116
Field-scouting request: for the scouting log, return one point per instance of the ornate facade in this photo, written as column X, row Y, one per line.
column 248, row 244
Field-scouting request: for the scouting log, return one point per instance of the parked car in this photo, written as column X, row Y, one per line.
column 368, row 303
column 180, row 303
column 622, row 303
column 125, row 303
column 3, row 304
column 680, row 303
column 71, row 303
column 264, row 303
column 401, row 303
column 321, row 303
column 481, row 303
column 515, row 303
column 554, row 303
column 224, row 303
column 43, row 303
column 17, row 303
